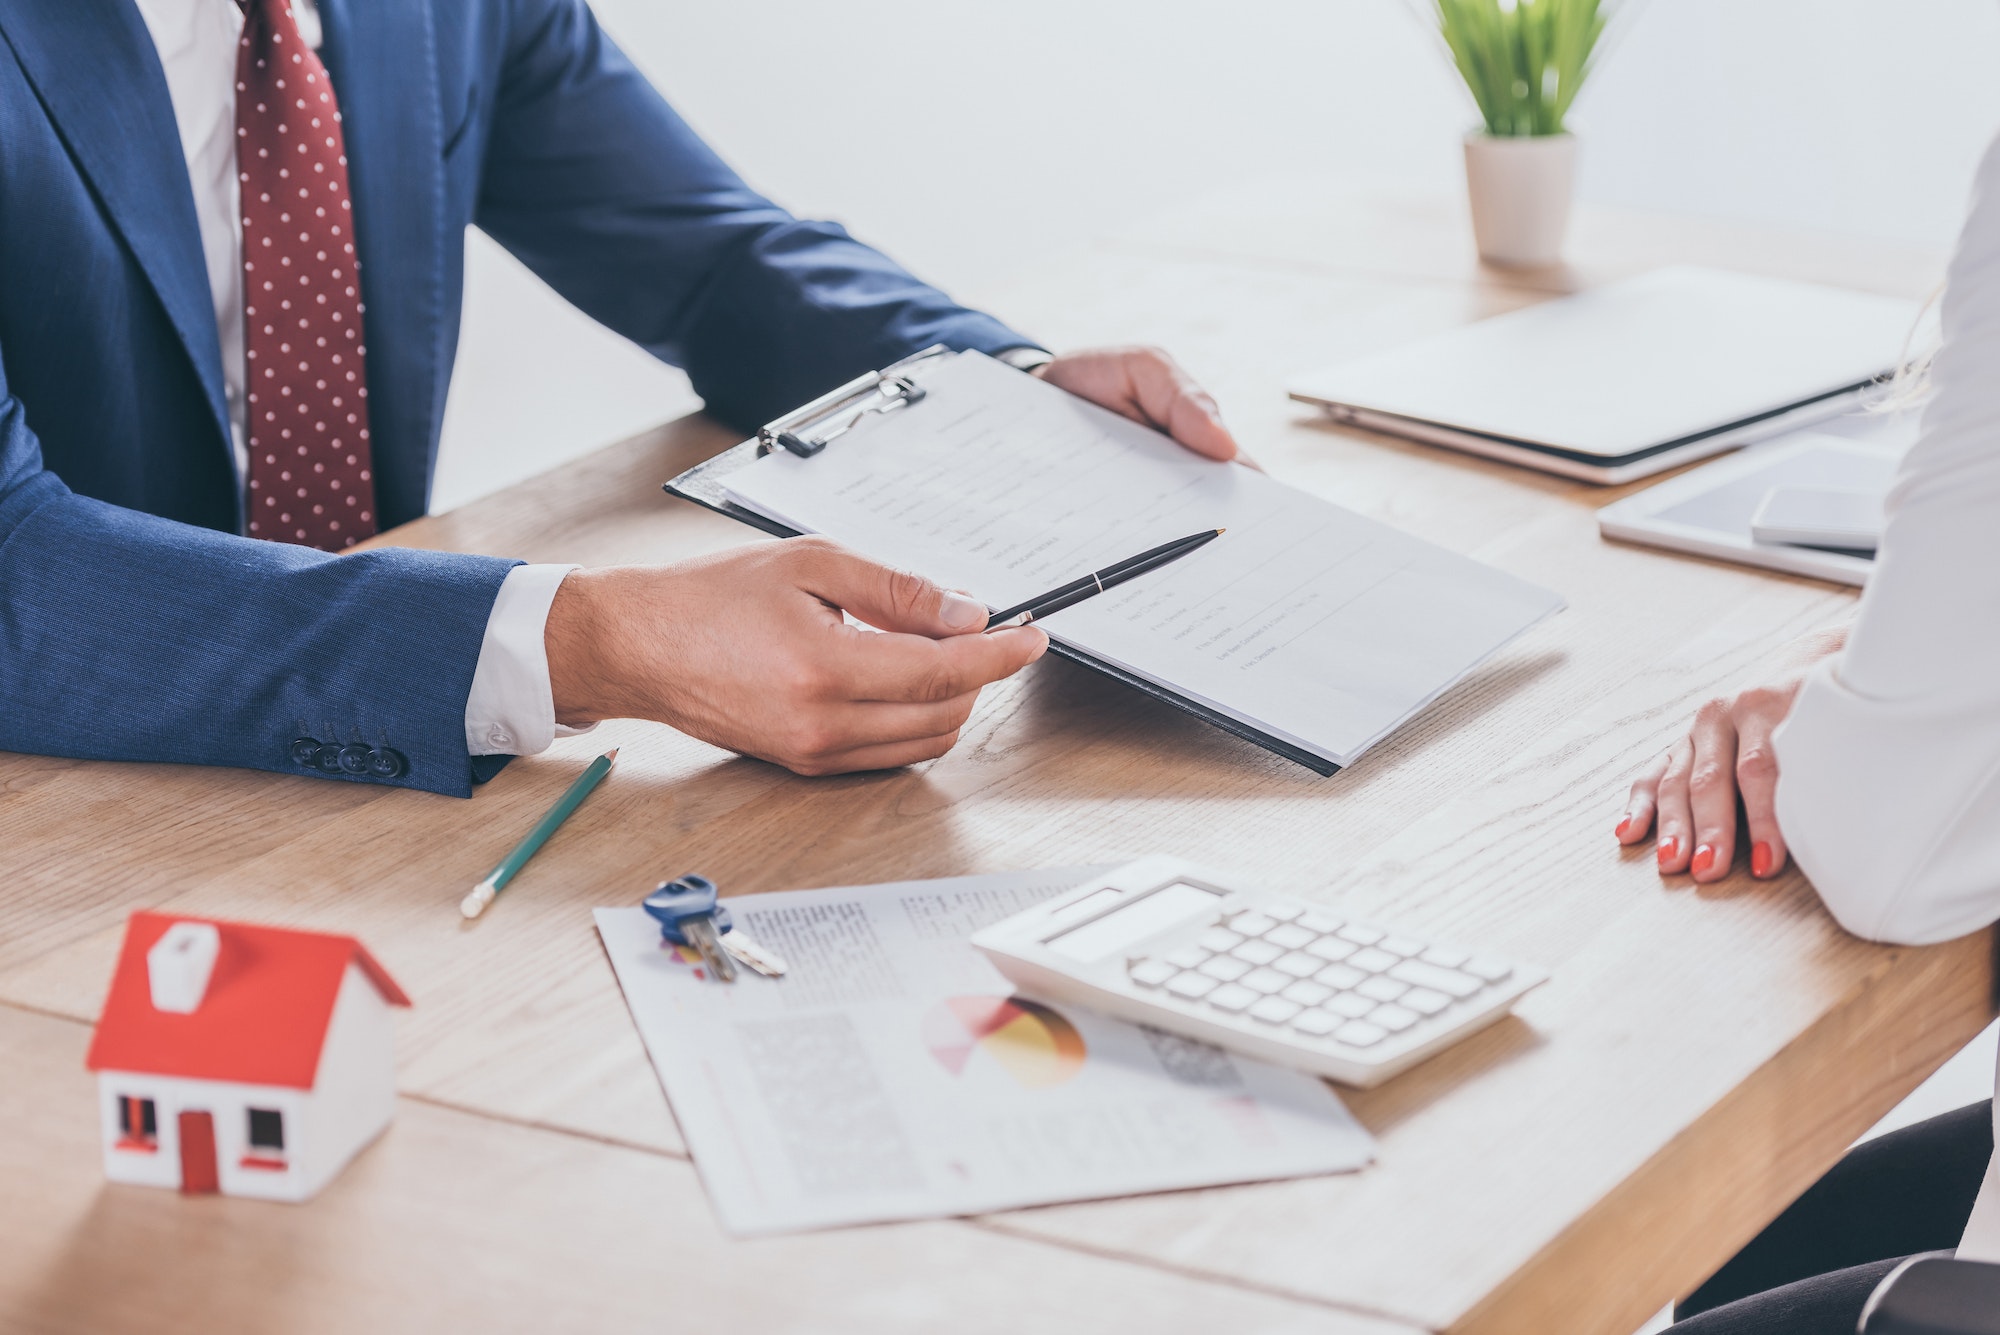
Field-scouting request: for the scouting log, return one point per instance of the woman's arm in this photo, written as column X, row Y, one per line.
column 1880, row 769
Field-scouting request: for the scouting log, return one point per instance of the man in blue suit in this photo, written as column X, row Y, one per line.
column 202, row 402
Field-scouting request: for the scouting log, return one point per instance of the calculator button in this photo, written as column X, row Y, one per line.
column 1339, row 976
column 1232, row 997
column 1382, row 989
column 1361, row 936
column 1275, row 1010
column 1191, row 986
column 1319, row 922
column 1449, row 981
column 1299, row 964
column 1187, row 957
column 1290, row 935
column 1252, row 923
column 1151, row 973
column 1307, row 993
column 1359, row 1034
column 1490, row 970
column 1393, row 1018
column 1257, row 952
column 1350, row 1006
column 1444, row 957
column 1332, row 948
column 1424, row 1001
column 1284, row 912
column 1267, row 980
column 1219, row 939
column 1316, row 1023
column 1227, row 968
column 1403, row 945
column 1372, row 960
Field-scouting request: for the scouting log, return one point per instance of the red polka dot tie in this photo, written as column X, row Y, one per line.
column 311, row 478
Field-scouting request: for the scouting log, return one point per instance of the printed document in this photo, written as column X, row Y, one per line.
column 894, row 1074
column 1303, row 620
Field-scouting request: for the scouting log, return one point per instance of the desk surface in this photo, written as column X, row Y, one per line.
column 1698, row 1059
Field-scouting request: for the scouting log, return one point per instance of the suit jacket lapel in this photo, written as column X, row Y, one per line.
column 95, row 68
column 382, row 58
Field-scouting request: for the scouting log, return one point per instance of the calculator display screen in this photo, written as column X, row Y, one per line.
column 1163, row 908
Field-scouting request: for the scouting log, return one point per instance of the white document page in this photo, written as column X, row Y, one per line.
column 892, row 1074
column 1304, row 620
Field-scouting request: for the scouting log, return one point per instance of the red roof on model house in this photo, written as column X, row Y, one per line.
column 261, row 1020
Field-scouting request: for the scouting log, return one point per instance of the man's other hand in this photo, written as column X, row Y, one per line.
column 748, row 649
column 1149, row 387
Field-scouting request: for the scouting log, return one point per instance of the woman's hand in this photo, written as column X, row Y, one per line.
column 1693, row 791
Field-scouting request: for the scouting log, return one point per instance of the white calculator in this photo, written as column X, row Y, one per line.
column 1165, row 943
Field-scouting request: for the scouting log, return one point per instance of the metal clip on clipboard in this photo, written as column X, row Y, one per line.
column 805, row 431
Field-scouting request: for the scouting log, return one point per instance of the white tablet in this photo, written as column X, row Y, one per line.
column 1709, row 511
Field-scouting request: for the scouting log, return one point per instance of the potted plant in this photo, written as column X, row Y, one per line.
column 1523, row 61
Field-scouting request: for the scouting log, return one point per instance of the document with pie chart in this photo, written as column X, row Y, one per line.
column 894, row 1074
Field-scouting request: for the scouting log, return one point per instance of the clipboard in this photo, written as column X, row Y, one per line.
column 809, row 429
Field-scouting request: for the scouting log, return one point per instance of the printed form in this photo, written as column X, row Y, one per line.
column 1304, row 620
column 894, row 1074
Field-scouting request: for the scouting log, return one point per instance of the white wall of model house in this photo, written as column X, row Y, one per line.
column 350, row 1103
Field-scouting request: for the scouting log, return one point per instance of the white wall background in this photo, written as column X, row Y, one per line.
column 991, row 133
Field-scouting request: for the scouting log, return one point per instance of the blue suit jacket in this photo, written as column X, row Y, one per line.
column 134, row 623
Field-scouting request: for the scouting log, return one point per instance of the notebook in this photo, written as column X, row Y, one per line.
column 1629, row 379
column 1305, row 627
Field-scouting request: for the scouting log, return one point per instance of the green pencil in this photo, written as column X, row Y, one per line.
column 477, row 898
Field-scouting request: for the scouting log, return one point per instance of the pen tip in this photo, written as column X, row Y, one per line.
column 612, row 754
column 1219, row 532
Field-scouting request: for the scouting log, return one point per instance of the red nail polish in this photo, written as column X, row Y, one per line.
column 1624, row 827
column 1704, row 858
column 1670, row 848
column 1760, row 859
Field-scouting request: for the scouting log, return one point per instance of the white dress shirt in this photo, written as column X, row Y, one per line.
column 1889, row 766
column 511, row 709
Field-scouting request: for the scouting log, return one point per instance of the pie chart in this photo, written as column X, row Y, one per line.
column 1031, row 1043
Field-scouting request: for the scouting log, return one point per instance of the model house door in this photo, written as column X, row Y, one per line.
column 197, row 1152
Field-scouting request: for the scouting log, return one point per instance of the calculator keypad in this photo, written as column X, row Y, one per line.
column 1287, row 966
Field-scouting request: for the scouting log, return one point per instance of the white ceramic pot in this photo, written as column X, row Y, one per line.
column 1520, row 191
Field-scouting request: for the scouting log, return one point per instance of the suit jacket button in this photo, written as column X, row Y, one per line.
column 355, row 757
column 327, row 759
column 387, row 764
column 305, row 751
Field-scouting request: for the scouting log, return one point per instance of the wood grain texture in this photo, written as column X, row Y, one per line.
column 1698, row 1058
column 456, row 1222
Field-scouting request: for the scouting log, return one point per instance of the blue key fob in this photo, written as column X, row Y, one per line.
column 686, row 897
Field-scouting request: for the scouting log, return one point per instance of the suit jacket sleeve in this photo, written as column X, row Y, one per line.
column 599, row 187
column 124, row 636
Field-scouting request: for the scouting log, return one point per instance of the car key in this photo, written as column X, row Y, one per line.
column 688, row 915
column 752, row 955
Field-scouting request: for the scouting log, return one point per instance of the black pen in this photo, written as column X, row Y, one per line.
column 1089, row 586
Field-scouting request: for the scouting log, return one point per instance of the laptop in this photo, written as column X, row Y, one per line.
column 1629, row 379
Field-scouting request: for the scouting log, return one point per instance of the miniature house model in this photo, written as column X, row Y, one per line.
column 248, row 1060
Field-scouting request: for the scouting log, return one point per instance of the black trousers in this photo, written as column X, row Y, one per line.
column 1812, row 1270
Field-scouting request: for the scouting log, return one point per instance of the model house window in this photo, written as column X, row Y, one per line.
column 267, row 1133
column 138, row 1124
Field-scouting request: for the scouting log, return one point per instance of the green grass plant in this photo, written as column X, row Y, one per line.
column 1524, row 60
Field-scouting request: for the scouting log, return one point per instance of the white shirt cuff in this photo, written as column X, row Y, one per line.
column 511, row 710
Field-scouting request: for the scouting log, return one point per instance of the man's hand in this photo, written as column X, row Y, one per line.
column 1149, row 387
column 1693, row 790
column 747, row 649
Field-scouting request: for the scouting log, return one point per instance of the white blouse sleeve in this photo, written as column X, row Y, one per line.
column 1889, row 766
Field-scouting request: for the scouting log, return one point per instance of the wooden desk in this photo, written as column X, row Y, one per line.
column 1699, row 1057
